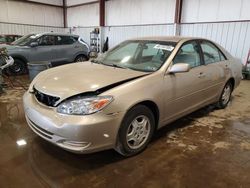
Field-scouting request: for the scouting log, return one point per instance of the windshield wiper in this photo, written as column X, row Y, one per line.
column 110, row 65
column 115, row 65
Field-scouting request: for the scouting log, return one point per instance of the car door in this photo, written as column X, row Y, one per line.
column 44, row 51
column 216, row 68
column 184, row 92
column 65, row 49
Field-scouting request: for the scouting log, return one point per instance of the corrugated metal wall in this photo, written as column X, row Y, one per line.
column 215, row 10
column 53, row 2
column 76, row 2
column 234, row 36
column 117, row 34
column 127, row 19
column 139, row 12
column 26, row 29
column 29, row 13
column 24, row 18
column 81, row 16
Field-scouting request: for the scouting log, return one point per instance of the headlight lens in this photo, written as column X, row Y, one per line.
column 84, row 105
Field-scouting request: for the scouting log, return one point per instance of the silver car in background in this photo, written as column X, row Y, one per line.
column 57, row 48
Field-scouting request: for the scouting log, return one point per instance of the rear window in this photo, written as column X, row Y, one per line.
column 211, row 53
column 65, row 40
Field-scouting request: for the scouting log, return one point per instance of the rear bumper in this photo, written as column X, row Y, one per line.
column 78, row 134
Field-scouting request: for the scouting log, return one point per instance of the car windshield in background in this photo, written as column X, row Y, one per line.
column 3, row 39
column 25, row 40
column 146, row 56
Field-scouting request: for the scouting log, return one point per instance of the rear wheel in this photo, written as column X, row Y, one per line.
column 136, row 131
column 18, row 68
column 81, row 58
column 225, row 96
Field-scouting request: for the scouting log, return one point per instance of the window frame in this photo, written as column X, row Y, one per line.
column 42, row 37
column 71, row 37
column 200, row 52
column 219, row 51
column 174, row 44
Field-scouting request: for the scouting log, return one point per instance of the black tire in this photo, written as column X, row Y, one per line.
column 124, row 147
column 81, row 58
column 223, row 101
column 18, row 68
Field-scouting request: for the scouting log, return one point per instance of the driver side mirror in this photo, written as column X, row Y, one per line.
column 179, row 67
column 33, row 44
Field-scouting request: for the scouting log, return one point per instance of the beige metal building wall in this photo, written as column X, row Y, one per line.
column 226, row 22
column 23, row 18
column 129, row 19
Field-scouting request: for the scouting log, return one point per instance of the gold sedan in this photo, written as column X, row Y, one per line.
column 119, row 100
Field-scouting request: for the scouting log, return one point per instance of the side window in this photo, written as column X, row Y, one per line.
column 188, row 53
column 46, row 40
column 65, row 40
column 211, row 53
column 2, row 39
column 8, row 39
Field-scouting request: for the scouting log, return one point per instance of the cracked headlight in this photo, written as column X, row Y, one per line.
column 84, row 105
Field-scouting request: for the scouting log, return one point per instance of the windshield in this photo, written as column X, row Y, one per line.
column 3, row 39
column 146, row 56
column 25, row 40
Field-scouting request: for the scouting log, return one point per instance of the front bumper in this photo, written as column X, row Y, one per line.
column 78, row 134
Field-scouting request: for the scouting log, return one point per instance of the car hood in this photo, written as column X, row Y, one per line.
column 69, row 80
column 11, row 48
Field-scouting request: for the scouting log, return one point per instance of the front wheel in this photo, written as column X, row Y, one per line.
column 18, row 68
column 225, row 96
column 136, row 131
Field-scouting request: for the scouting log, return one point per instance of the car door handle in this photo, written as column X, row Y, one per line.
column 202, row 75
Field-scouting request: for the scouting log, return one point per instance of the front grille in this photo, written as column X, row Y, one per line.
column 45, row 99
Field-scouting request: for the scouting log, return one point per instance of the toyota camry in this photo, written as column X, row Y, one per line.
column 121, row 98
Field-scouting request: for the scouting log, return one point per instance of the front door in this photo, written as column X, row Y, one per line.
column 185, row 91
column 45, row 49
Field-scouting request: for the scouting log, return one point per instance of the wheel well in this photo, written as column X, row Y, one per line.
column 20, row 59
column 232, row 81
column 154, row 108
column 82, row 55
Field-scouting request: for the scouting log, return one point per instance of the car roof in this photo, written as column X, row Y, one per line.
column 10, row 35
column 166, row 38
column 53, row 33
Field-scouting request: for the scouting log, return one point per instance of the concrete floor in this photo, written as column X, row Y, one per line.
column 209, row 148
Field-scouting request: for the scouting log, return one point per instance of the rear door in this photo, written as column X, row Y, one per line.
column 216, row 68
column 65, row 49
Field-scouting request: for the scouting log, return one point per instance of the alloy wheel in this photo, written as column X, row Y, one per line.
column 138, row 132
column 226, row 94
